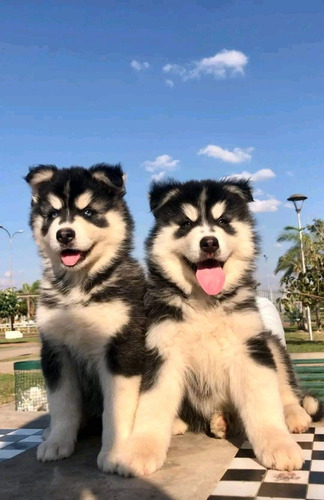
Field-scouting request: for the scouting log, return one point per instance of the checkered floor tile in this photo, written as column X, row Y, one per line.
column 246, row 479
column 16, row 441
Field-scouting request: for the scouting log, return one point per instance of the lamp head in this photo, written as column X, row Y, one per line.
column 298, row 200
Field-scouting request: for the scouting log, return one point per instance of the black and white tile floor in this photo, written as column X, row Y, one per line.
column 16, row 441
column 246, row 479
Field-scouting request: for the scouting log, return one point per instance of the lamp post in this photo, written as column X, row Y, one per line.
column 298, row 201
column 10, row 249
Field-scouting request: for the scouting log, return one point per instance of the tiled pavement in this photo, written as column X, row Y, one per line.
column 246, row 479
column 13, row 442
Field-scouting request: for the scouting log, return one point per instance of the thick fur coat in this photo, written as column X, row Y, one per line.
column 209, row 351
column 90, row 313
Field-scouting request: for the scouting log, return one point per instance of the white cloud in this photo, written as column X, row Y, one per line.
column 169, row 83
column 238, row 155
column 259, row 175
column 162, row 162
column 159, row 176
column 224, row 63
column 139, row 66
column 258, row 192
column 288, row 205
column 270, row 205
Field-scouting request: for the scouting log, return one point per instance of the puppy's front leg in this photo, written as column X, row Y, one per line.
column 255, row 391
column 145, row 451
column 120, row 396
column 64, row 398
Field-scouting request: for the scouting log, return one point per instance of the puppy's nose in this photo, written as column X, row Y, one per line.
column 209, row 244
column 65, row 236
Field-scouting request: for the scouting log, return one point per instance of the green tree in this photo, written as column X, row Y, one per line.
column 306, row 288
column 290, row 262
column 9, row 305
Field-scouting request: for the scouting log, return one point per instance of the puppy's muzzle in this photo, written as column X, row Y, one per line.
column 209, row 244
column 65, row 236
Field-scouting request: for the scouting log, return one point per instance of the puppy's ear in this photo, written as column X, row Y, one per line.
column 112, row 176
column 37, row 175
column 161, row 192
column 242, row 187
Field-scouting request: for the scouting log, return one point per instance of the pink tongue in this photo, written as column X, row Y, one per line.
column 70, row 259
column 211, row 280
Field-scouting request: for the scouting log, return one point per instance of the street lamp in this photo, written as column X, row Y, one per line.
column 10, row 248
column 298, row 201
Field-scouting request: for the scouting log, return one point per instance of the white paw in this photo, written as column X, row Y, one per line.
column 141, row 456
column 218, row 426
column 297, row 419
column 280, row 452
column 179, row 427
column 107, row 461
column 54, row 450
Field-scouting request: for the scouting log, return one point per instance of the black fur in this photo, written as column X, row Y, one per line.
column 260, row 352
column 274, row 342
column 197, row 422
column 52, row 363
column 125, row 353
column 152, row 366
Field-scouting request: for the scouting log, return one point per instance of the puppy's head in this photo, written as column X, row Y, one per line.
column 208, row 226
column 78, row 215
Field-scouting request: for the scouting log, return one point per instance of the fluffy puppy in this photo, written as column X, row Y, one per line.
column 90, row 313
column 209, row 352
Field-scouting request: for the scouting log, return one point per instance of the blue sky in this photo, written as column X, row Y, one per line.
column 195, row 89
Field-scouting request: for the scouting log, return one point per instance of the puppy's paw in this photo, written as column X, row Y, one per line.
column 297, row 419
column 140, row 456
column 107, row 461
column 218, row 426
column 280, row 452
column 179, row 427
column 52, row 449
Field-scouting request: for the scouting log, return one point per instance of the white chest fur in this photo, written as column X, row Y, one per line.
column 84, row 329
column 206, row 345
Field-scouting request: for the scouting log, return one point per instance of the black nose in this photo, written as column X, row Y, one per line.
column 209, row 244
column 65, row 236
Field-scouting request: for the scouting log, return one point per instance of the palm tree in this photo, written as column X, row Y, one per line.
column 313, row 239
column 290, row 261
column 30, row 291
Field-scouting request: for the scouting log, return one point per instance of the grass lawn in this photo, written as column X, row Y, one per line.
column 24, row 340
column 6, row 388
column 298, row 341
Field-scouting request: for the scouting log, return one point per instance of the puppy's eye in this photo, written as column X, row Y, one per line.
column 53, row 214
column 187, row 223
column 222, row 221
column 88, row 213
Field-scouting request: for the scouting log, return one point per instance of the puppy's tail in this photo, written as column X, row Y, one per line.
column 313, row 407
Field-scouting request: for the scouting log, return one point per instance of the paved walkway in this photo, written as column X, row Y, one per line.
column 194, row 466
column 19, row 352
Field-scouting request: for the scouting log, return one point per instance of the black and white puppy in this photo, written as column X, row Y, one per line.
column 90, row 313
column 209, row 352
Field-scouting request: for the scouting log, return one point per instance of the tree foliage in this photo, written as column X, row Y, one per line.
column 306, row 288
column 9, row 305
